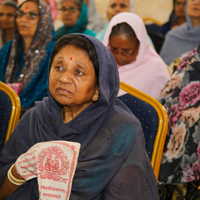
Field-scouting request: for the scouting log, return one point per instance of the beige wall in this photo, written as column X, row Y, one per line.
column 158, row 9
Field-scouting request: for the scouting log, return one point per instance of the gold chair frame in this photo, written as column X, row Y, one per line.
column 16, row 108
column 152, row 20
column 162, row 127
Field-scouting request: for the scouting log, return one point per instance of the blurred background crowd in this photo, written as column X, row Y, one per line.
column 156, row 48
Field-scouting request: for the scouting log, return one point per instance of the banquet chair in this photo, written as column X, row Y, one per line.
column 150, row 19
column 10, row 108
column 154, row 121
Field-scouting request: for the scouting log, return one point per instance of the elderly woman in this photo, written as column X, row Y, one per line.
column 74, row 15
column 24, row 60
column 7, row 12
column 183, row 38
column 82, row 107
column 138, row 64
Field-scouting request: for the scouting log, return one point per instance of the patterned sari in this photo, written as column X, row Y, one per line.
column 181, row 157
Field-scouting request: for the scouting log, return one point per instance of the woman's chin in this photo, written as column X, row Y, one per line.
column 68, row 23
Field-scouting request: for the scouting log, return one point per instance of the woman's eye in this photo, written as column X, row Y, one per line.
column 113, row 5
column 123, row 6
column 59, row 68
column 79, row 72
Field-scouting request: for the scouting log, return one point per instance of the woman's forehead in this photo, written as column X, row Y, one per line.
column 69, row 52
column 119, row 1
column 29, row 5
column 65, row 2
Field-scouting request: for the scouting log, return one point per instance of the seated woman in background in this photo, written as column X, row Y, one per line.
column 84, row 82
column 179, row 172
column 177, row 17
column 183, row 38
column 24, row 60
column 115, row 7
column 138, row 64
column 7, row 21
column 74, row 15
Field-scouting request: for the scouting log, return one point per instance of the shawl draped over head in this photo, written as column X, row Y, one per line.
column 180, row 40
column 79, row 27
column 148, row 73
column 30, row 69
column 102, row 33
column 108, row 133
column 181, row 99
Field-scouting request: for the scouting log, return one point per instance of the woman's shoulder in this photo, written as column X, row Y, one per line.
column 176, row 32
column 6, row 47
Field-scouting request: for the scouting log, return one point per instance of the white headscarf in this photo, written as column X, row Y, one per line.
column 148, row 73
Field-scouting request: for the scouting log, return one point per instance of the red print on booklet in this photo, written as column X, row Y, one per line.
column 52, row 162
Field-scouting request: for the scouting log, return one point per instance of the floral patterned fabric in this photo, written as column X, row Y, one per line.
column 181, row 99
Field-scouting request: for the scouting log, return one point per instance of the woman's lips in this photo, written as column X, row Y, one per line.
column 196, row 9
column 23, row 27
column 120, row 63
column 64, row 91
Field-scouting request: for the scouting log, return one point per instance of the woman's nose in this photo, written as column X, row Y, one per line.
column 66, row 77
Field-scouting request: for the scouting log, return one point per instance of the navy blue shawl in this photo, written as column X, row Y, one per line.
column 108, row 133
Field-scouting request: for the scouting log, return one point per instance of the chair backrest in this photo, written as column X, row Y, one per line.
column 150, row 19
column 10, row 108
column 154, row 121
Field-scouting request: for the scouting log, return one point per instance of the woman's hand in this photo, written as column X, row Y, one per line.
column 7, row 187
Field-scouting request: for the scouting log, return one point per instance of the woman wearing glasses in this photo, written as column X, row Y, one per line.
column 24, row 60
column 7, row 12
column 138, row 64
column 74, row 15
column 184, row 38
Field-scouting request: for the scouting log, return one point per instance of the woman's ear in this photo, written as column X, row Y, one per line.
column 96, row 95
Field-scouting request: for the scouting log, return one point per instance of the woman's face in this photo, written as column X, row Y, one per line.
column 117, row 6
column 70, row 12
column 193, row 8
column 27, row 19
column 179, row 8
column 7, row 17
column 72, row 80
column 124, row 49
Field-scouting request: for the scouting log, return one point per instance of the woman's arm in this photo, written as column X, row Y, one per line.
column 7, row 187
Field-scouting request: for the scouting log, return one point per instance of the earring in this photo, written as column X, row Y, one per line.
column 95, row 98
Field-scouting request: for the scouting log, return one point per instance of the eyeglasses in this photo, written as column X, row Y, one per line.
column 194, row 0
column 70, row 9
column 7, row 14
column 124, row 52
column 29, row 15
column 180, row 3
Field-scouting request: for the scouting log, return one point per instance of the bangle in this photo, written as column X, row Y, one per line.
column 12, row 179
